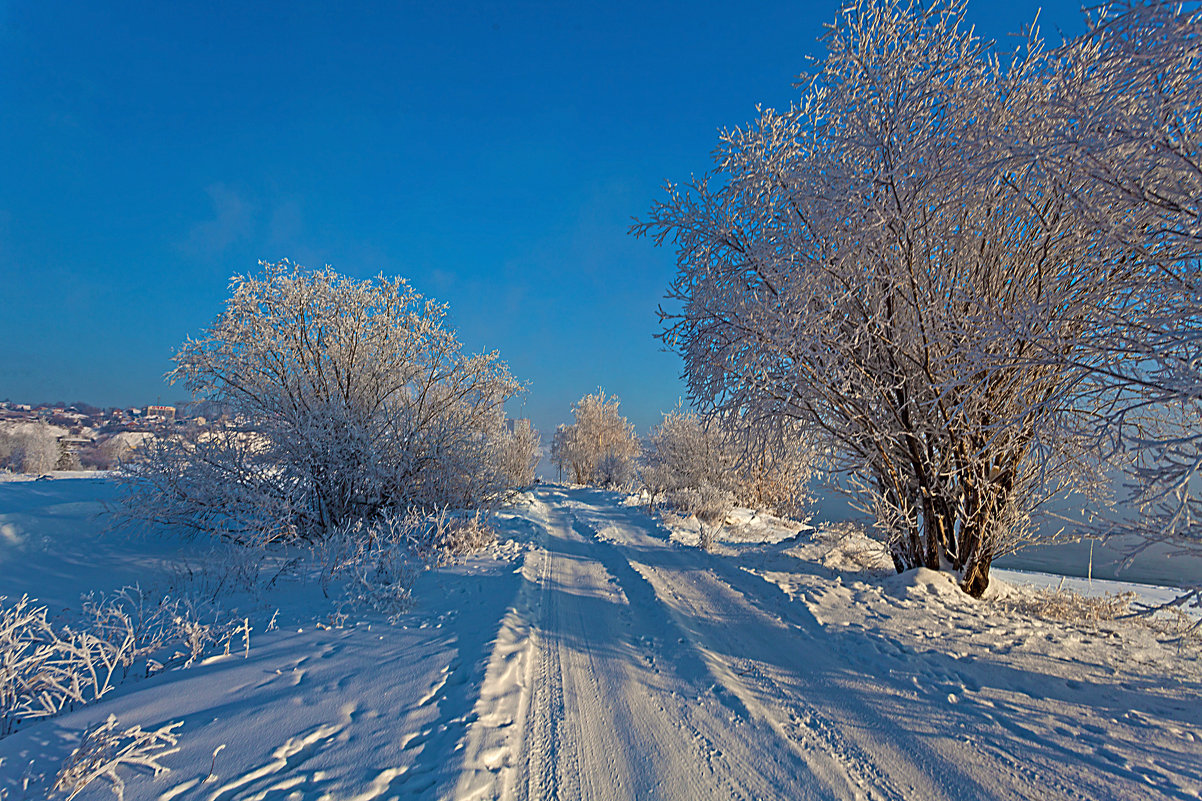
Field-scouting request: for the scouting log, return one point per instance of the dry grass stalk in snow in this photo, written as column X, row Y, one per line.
column 104, row 749
column 849, row 548
column 1170, row 624
column 1071, row 607
column 45, row 670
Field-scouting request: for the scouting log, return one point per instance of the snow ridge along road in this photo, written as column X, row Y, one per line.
column 633, row 667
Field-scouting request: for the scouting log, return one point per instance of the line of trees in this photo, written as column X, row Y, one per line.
column 698, row 466
column 963, row 270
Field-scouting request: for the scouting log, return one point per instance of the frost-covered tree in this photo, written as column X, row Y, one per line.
column 1126, row 119
column 600, row 436
column 519, row 453
column 684, row 452
column 30, row 448
column 840, row 265
column 687, row 452
column 346, row 398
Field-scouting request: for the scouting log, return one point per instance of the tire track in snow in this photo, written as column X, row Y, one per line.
column 630, row 668
column 552, row 769
column 627, row 708
column 850, row 747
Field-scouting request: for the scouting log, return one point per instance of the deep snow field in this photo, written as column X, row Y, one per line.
column 596, row 652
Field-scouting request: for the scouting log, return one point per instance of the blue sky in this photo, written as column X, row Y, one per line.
column 492, row 153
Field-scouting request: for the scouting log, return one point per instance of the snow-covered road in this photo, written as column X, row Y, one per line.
column 656, row 671
column 591, row 655
column 618, row 699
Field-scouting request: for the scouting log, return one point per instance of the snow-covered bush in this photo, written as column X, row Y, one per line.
column 345, row 398
column 376, row 562
column 104, row 748
column 709, row 504
column 449, row 536
column 375, row 568
column 519, row 454
column 615, row 472
column 30, row 448
column 686, row 452
column 599, row 433
column 683, row 452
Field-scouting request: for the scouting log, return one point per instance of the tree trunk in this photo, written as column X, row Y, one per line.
column 976, row 577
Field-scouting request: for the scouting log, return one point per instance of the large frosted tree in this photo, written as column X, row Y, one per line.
column 1126, row 120
column 849, row 263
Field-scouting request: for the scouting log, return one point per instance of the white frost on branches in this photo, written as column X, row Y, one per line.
column 346, row 398
column 1126, row 121
column 688, row 457
column 850, row 265
column 600, row 447
column 30, row 448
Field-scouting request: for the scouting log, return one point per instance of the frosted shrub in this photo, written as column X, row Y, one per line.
column 29, row 448
column 104, row 748
column 709, row 504
column 519, row 454
column 345, row 398
column 686, row 451
column 451, row 536
column 683, row 452
column 377, row 562
column 919, row 302
column 599, row 433
column 615, row 471
column 158, row 632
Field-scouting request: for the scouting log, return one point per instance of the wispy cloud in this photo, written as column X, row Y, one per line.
column 233, row 220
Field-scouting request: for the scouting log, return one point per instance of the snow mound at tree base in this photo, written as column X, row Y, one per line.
column 924, row 582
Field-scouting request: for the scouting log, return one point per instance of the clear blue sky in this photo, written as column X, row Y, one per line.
column 492, row 153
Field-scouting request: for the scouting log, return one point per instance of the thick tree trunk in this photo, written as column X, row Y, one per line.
column 976, row 577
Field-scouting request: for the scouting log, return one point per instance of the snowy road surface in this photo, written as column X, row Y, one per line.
column 656, row 671
column 592, row 657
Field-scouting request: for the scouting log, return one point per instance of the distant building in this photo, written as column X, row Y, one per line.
column 516, row 424
column 72, row 443
column 160, row 412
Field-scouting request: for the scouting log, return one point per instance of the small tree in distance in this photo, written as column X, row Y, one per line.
column 687, row 454
column 30, row 448
column 600, row 447
column 519, row 454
